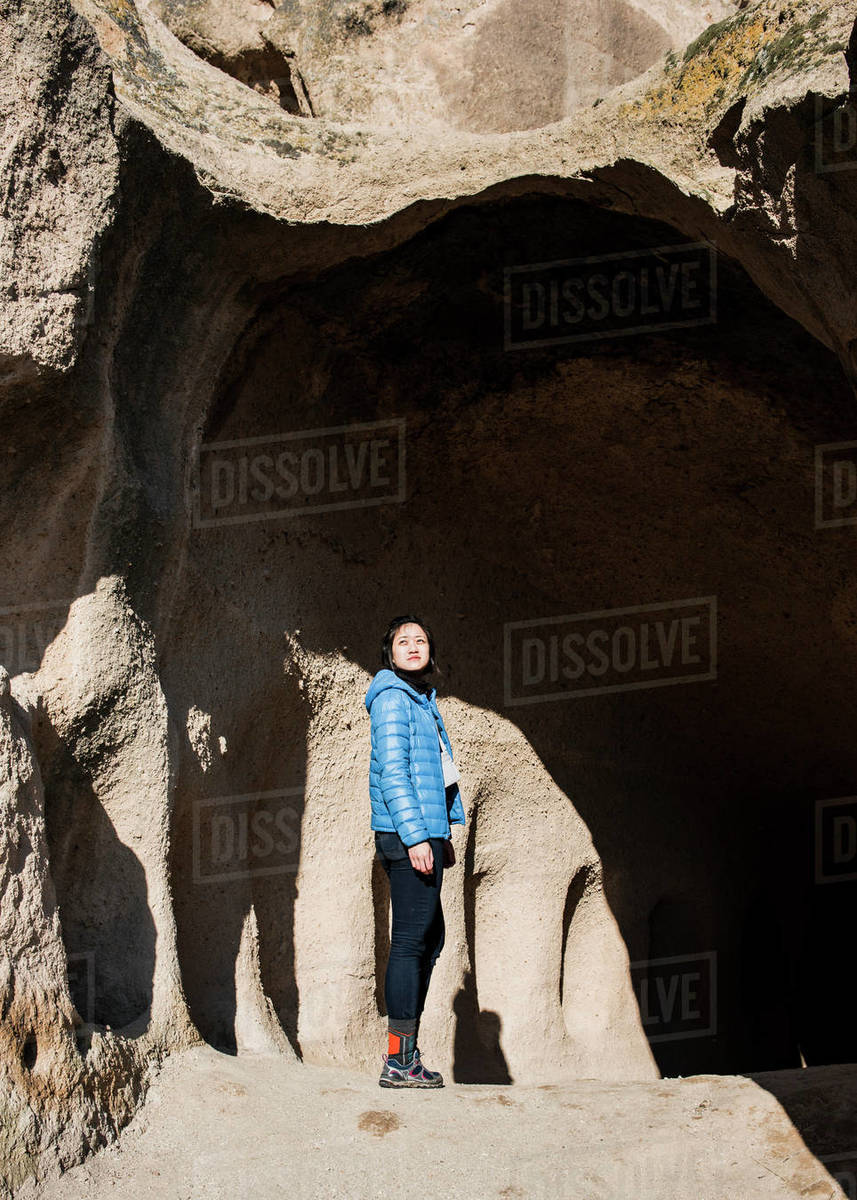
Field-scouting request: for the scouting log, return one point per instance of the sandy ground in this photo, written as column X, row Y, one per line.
column 216, row 1126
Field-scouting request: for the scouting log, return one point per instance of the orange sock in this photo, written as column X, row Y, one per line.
column 400, row 1045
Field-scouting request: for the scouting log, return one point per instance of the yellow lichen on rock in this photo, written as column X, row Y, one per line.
column 734, row 57
column 704, row 77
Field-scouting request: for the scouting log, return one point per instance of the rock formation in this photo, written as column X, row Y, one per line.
column 280, row 357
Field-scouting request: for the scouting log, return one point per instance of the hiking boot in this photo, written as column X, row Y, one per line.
column 412, row 1074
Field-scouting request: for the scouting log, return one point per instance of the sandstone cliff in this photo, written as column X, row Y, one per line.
column 234, row 231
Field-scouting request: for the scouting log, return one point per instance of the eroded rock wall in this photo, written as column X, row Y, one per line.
column 487, row 66
column 189, row 669
column 65, row 1086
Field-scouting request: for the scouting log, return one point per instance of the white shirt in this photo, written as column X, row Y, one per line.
column 450, row 770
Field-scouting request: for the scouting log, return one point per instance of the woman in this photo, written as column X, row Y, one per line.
column 413, row 789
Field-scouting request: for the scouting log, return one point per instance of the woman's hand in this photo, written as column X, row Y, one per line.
column 448, row 853
column 421, row 857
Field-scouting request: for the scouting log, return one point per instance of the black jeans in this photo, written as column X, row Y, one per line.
column 418, row 929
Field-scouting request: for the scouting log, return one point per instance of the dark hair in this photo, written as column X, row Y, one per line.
column 387, row 644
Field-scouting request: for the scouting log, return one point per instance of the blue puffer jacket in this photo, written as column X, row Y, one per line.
column 405, row 774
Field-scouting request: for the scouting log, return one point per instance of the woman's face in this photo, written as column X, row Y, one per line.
column 410, row 648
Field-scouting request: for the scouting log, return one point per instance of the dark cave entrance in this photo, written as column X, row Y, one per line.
column 641, row 468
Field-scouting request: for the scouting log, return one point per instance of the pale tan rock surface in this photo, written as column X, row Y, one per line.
column 64, row 1087
column 216, row 1127
column 483, row 66
column 319, row 240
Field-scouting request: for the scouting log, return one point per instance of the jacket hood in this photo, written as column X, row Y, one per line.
column 389, row 679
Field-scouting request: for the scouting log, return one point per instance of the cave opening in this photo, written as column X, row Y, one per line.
column 640, row 465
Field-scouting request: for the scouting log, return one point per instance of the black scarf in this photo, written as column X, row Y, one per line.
column 418, row 682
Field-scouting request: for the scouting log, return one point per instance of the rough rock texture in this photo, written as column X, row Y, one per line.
column 315, row 237
column 484, row 66
column 60, row 174
column 65, row 1085
column 710, row 1137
